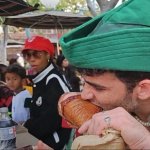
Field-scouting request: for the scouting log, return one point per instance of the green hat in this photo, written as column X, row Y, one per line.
column 118, row 39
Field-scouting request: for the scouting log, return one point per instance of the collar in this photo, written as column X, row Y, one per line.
column 18, row 91
column 40, row 76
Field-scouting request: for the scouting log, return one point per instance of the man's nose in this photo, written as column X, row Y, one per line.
column 32, row 59
column 86, row 94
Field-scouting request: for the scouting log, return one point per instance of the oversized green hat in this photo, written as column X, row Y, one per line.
column 117, row 40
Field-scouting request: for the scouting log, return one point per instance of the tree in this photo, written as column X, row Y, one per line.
column 74, row 6
column 94, row 6
column 38, row 4
column 91, row 4
column 104, row 5
column 80, row 6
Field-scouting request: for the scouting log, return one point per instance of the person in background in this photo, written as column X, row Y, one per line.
column 69, row 73
column 48, row 86
column 5, row 93
column 112, row 51
column 2, row 72
column 13, row 61
column 5, row 96
column 15, row 77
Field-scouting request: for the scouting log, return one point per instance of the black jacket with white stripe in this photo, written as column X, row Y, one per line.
column 45, row 122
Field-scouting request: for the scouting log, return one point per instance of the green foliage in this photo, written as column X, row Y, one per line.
column 33, row 2
column 38, row 4
column 74, row 6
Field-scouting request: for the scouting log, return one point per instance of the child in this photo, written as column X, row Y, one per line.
column 5, row 93
column 15, row 78
column 5, row 96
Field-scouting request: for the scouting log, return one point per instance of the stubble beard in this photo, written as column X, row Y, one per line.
column 129, row 104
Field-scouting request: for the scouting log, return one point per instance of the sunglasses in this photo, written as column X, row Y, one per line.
column 36, row 54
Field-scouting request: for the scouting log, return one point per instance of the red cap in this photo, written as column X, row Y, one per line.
column 39, row 43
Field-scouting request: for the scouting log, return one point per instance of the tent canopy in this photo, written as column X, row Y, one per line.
column 14, row 7
column 47, row 20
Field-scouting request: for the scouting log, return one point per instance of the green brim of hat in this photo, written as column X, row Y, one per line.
column 116, row 40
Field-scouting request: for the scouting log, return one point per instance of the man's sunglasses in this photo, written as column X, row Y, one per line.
column 36, row 54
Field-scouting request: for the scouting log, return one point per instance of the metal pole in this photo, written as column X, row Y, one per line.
column 3, row 44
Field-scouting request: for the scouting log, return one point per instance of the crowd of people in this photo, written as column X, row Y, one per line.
column 37, row 110
column 111, row 52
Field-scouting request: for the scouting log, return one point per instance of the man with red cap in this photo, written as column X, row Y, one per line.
column 48, row 86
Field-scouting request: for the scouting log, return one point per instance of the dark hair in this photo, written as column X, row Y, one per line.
column 130, row 78
column 59, row 60
column 17, row 69
column 12, row 61
column 2, row 72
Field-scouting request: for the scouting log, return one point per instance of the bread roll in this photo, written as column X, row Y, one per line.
column 75, row 110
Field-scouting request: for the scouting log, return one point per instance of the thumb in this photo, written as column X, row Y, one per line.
column 83, row 129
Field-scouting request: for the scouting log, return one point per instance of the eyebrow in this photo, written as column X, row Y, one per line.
column 95, row 85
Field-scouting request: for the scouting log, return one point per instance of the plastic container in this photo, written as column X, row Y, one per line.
column 7, row 130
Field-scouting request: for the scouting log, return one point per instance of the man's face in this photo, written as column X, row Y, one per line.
column 37, row 59
column 108, row 92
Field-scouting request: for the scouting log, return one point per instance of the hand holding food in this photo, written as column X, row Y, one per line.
column 75, row 110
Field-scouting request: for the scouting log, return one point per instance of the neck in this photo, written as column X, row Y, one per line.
column 144, row 123
column 143, row 111
column 18, row 90
column 43, row 68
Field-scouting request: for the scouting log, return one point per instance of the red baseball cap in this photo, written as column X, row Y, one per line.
column 39, row 43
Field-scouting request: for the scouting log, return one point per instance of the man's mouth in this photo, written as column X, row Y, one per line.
column 33, row 66
column 95, row 103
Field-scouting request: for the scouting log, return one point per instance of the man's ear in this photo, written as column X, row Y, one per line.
column 144, row 89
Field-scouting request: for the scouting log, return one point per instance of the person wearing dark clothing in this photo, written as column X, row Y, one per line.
column 69, row 72
column 2, row 72
column 5, row 93
column 5, row 96
column 48, row 86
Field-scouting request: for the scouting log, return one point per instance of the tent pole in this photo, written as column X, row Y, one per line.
column 3, row 58
column 57, row 44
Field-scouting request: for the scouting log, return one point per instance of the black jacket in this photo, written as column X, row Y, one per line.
column 45, row 122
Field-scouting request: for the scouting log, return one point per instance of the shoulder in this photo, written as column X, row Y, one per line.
column 57, row 80
column 25, row 93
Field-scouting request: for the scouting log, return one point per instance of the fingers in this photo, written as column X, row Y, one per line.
column 98, row 123
column 94, row 126
column 120, row 120
column 83, row 129
column 63, row 98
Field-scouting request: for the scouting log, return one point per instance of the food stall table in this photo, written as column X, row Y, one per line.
column 24, row 138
